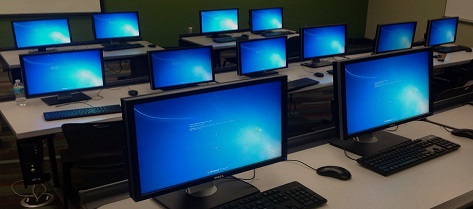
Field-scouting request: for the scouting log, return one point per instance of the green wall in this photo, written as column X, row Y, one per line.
column 162, row 21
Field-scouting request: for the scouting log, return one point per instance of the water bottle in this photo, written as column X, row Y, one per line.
column 19, row 91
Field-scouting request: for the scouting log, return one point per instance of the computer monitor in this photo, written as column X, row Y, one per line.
column 217, row 22
column 184, row 145
column 113, row 28
column 63, row 74
column 41, row 34
column 441, row 31
column 181, row 67
column 378, row 92
column 322, row 41
column 394, row 37
column 267, row 19
column 260, row 57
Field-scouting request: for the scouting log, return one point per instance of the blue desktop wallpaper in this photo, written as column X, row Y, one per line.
column 266, row 19
column 443, row 31
column 384, row 91
column 197, row 136
column 116, row 25
column 323, row 41
column 395, row 37
column 41, row 32
column 219, row 20
column 184, row 66
column 45, row 73
column 262, row 54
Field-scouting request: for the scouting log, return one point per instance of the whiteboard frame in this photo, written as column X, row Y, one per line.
column 26, row 7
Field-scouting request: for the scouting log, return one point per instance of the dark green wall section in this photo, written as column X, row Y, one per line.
column 162, row 21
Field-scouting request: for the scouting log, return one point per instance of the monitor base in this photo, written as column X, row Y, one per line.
column 56, row 100
column 379, row 140
column 316, row 63
column 228, row 189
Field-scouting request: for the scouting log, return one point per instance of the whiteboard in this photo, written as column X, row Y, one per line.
column 460, row 8
column 11, row 7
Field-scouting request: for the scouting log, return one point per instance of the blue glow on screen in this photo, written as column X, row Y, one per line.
column 41, row 32
column 184, row 66
column 196, row 136
column 219, row 20
column 262, row 54
column 442, row 31
column 396, row 37
column 116, row 25
column 46, row 73
column 266, row 19
column 323, row 41
column 386, row 90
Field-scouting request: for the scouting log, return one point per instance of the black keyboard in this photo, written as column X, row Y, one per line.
column 407, row 154
column 291, row 195
column 300, row 83
column 277, row 33
column 122, row 46
column 448, row 49
column 82, row 112
column 229, row 39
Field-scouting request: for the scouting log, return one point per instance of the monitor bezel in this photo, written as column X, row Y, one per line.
column 340, row 92
column 429, row 30
column 216, row 33
column 117, row 39
column 54, row 93
column 252, row 30
column 132, row 155
column 269, row 71
column 152, row 72
column 301, row 33
column 378, row 34
column 41, row 48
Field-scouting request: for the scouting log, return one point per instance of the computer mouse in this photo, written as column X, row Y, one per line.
column 133, row 92
column 468, row 49
column 319, row 74
column 152, row 45
column 334, row 171
column 463, row 132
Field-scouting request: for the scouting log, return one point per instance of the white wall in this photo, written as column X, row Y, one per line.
column 389, row 11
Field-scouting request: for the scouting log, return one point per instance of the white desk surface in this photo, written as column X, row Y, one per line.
column 460, row 117
column 423, row 186
column 12, row 57
column 206, row 41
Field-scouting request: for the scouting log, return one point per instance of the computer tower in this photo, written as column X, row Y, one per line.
column 30, row 152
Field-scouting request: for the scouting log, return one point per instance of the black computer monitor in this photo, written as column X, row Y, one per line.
column 219, row 21
column 260, row 57
column 394, row 37
column 377, row 92
column 266, row 19
column 184, row 145
column 116, row 27
column 322, row 41
column 63, row 74
column 41, row 33
column 441, row 31
column 181, row 67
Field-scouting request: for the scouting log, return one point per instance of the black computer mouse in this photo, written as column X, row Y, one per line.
column 133, row 92
column 468, row 49
column 335, row 172
column 152, row 45
column 319, row 74
column 464, row 132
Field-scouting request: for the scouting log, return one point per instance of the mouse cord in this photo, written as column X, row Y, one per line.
column 298, row 161
column 345, row 150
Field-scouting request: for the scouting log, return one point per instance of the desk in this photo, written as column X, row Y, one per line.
column 423, row 186
column 460, row 117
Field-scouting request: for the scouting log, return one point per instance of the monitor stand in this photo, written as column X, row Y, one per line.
column 63, row 98
column 370, row 143
column 315, row 63
column 217, row 193
column 261, row 73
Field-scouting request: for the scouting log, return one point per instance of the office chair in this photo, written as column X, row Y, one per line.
column 92, row 148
